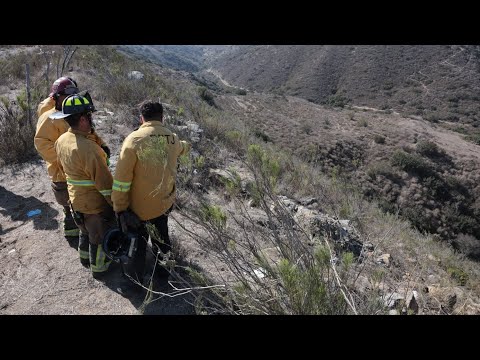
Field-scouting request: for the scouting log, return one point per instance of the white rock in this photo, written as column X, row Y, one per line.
column 135, row 75
column 260, row 273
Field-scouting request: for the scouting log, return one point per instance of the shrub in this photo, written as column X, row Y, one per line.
column 233, row 183
column 206, row 95
column 260, row 134
column 292, row 278
column 468, row 245
column 379, row 168
column 235, row 139
column 214, row 214
column 119, row 89
column 13, row 66
column 362, row 122
column 458, row 275
column 432, row 118
column 416, row 215
column 110, row 72
column 199, row 162
column 473, row 138
column 16, row 135
column 307, row 128
column 437, row 187
column 379, row 139
column 428, row 148
column 460, row 129
column 336, row 101
column 264, row 164
column 411, row 163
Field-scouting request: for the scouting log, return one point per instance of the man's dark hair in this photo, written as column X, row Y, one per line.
column 152, row 110
column 74, row 119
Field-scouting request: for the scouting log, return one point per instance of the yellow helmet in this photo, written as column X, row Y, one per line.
column 74, row 104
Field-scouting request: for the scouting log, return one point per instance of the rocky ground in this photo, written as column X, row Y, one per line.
column 41, row 272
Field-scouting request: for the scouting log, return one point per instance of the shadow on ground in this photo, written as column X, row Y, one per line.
column 149, row 303
column 17, row 207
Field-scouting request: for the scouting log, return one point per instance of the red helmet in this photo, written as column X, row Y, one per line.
column 64, row 86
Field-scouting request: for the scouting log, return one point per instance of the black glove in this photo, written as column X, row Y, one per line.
column 106, row 149
column 128, row 220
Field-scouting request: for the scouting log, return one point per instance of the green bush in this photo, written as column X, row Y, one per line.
column 233, row 184
column 460, row 129
column 336, row 101
column 411, row 163
column 305, row 291
column 264, row 164
column 199, row 162
column 416, row 215
column 214, row 215
column 235, row 139
column 380, row 168
column 428, row 148
column 460, row 276
column 437, row 187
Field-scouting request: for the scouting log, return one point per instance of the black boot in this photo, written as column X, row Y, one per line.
column 70, row 229
column 83, row 250
column 99, row 263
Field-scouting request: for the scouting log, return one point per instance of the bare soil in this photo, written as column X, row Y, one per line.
column 41, row 272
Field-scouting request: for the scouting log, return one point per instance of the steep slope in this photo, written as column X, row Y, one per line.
column 41, row 272
column 384, row 155
column 190, row 58
column 438, row 82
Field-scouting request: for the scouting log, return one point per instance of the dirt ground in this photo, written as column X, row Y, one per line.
column 41, row 272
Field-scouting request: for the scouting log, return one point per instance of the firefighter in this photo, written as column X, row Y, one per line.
column 47, row 132
column 143, row 189
column 62, row 86
column 89, row 180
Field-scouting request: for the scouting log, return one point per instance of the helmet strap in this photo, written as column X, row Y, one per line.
column 92, row 125
column 57, row 105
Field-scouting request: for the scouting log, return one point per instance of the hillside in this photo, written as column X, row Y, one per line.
column 436, row 82
column 191, row 58
column 283, row 207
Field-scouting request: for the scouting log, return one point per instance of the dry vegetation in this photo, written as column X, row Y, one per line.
column 438, row 82
column 227, row 232
column 246, row 247
column 389, row 158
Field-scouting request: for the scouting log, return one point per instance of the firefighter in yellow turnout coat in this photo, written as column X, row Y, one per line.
column 89, row 180
column 47, row 132
column 144, row 181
